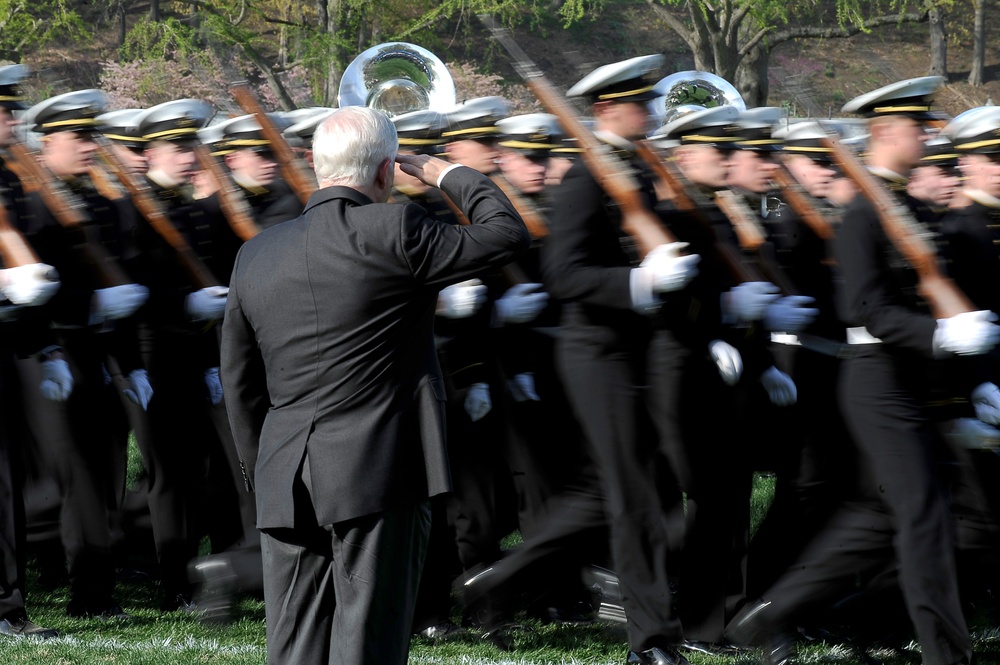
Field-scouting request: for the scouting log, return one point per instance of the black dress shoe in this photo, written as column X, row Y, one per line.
column 441, row 631
column 657, row 656
column 779, row 650
column 215, row 584
column 19, row 626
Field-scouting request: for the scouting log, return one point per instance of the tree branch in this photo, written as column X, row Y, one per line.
column 846, row 31
column 672, row 22
column 756, row 39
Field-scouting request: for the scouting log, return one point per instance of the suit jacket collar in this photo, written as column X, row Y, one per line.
column 321, row 196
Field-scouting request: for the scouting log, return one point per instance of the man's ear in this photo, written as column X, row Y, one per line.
column 229, row 158
column 384, row 174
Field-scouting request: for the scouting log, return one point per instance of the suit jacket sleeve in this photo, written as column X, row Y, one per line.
column 244, row 381
column 440, row 254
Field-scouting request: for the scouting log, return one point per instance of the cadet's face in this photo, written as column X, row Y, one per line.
column 525, row 173
column 982, row 172
column 479, row 154
column 134, row 160
column 703, row 165
column 173, row 160
column 7, row 124
column 256, row 167
column 906, row 138
column 815, row 177
column 751, row 170
column 68, row 154
column 934, row 185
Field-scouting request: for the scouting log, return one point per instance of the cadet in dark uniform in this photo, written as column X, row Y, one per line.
column 91, row 315
column 883, row 394
column 24, row 286
column 602, row 354
column 181, row 347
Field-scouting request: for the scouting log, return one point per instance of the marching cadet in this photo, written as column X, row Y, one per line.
column 471, row 136
column 300, row 133
column 28, row 285
column 181, row 348
column 936, row 179
column 120, row 129
column 602, row 354
column 250, row 159
column 909, row 530
column 91, row 314
column 815, row 470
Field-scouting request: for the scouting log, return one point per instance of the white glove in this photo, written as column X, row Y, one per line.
column 461, row 300
column 974, row 434
column 790, row 314
column 214, row 385
column 967, row 334
column 521, row 303
column 522, row 388
column 986, row 402
column 667, row 269
column 30, row 285
column 207, row 304
column 57, row 380
column 728, row 360
column 747, row 301
column 477, row 401
column 779, row 386
column 117, row 302
column 140, row 391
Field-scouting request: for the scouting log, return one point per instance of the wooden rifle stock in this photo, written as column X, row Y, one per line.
column 234, row 206
column 14, row 249
column 940, row 292
column 751, row 237
column 688, row 201
column 637, row 220
column 291, row 168
column 149, row 207
column 529, row 212
column 69, row 213
column 795, row 196
column 106, row 186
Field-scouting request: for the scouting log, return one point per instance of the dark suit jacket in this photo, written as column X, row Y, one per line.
column 327, row 346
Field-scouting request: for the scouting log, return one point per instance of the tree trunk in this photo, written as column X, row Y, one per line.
column 329, row 21
column 939, row 43
column 978, row 44
column 751, row 76
column 154, row 11
column 122, row 27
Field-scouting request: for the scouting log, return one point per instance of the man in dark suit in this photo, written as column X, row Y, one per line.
column 336, row 396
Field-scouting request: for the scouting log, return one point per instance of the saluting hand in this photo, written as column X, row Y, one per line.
column 425, row 168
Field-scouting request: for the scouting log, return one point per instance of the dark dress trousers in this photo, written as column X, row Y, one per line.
column 336, row 401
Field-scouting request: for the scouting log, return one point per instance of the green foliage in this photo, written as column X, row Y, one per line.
column 160, row 39
column 576, row 10
column 26, row 24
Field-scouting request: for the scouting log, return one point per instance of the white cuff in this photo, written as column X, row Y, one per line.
column 446, row 172
column 640, row 284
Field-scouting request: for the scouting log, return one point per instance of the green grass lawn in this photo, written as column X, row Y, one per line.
column 154, row 638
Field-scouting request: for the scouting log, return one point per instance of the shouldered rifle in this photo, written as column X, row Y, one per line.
column 796, row 199
column 291, row 167
column 68, row 211
column 529, row 212
column 233, row 205
column 14, row 249
column 687, row 199
column 912, row 241
column 149, row 207
column 637, row 220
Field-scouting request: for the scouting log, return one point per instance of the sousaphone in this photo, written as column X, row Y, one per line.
column 397, row 78
column 685, row 92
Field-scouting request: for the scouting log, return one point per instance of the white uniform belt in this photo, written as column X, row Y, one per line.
column 785, row 338
column 860, row 335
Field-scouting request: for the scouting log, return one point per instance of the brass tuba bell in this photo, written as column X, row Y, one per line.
column 396, row 78
column 685, row 92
